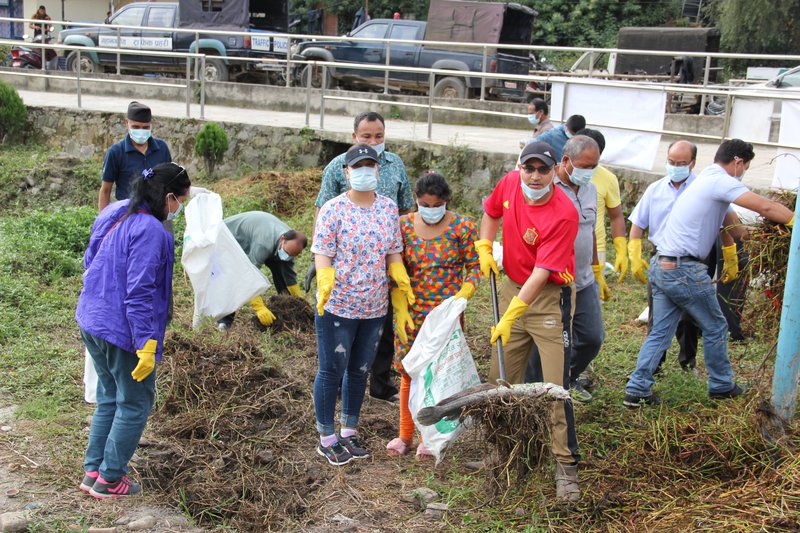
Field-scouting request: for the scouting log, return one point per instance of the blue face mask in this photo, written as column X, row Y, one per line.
column 364, row 179
column 432, row 215
column 677, row 174
column 581, row 176
column 533, row 194
column 171, row 216
column 140, row 136
column 283, row 255
column 533, row 120
column 379, row 148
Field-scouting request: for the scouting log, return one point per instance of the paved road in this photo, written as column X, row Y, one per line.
column 502, row 140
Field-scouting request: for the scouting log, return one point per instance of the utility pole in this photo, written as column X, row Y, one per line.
column 787, row 362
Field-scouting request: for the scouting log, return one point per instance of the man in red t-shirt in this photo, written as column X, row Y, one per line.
column 539, row 228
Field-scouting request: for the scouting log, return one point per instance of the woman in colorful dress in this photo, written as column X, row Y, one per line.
column 441, row 261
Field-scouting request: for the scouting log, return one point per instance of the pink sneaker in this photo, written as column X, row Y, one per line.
column 397, row 447
column 423, row 453
column 88, row 480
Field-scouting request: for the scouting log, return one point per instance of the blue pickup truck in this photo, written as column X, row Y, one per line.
column 232, row 15
column 496, row 23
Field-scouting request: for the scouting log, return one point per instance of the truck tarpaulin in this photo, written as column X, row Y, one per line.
column 219, row 14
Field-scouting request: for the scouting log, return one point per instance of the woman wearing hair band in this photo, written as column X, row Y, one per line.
column 441, row 261
column 122, row 314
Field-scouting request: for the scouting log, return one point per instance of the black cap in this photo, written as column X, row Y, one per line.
column 538, row 150
column 359, row 153
column 139, row 112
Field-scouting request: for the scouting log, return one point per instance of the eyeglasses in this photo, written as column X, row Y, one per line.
column 541, row 170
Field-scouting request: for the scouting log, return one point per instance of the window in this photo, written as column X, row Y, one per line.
column 211, row 6
column 403, row 32
column 129, row 17
column 372, row 31
column 160, row 17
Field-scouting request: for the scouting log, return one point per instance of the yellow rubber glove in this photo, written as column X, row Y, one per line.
column 147, row 360
column 397, row 271
column 325, row 280
column 502, row 330
column 264, row 315
column 621, row 260
column 484, row 248
column 401, row 315
column 605, row 292
column 294, row 290
column 790, row 224
column 638, row 265
column 730, row 265
column 467, row 290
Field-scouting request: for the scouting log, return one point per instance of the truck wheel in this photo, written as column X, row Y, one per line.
column 216, row 70
column 316, row 77
column 450, row 87
column 87, row 63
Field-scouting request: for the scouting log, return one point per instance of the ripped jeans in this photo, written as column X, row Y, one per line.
column 346, row 348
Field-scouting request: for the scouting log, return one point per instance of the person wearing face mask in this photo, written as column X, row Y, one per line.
column 574, row 179
column 357, row 242
column 441, row 261
column 540, row 224
column 680, row 278
column 369, row 128
column 122, row 314
column 267, row 241
column 127, row 158
column 538, row 117
column 558, row 136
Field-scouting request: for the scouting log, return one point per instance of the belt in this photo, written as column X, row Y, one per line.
column 678, row 259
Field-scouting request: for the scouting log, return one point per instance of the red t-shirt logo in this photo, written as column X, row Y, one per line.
column 530, row 236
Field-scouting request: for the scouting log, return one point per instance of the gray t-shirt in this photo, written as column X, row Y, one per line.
column 258, row 233
column 696, row 217
column 585, row 203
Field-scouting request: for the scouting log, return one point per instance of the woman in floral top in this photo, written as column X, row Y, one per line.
column 441, row 260
column 356, row 240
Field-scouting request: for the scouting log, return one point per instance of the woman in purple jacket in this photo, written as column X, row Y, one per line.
column 122, row 313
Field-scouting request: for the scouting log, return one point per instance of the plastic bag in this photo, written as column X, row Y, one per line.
column 89, row 378
column 222, row 276
column 440, row 364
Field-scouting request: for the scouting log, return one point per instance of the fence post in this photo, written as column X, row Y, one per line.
column 308, row 95
column 728, row 112
column 289, row 62
column 386, row 72
column 483, row 70
column 321, row 95
column 430, row 104
column 197, row 51
column 705, row 84
column 787, row 361
column 202, row 88
column 188, row 88
column 119, row 45
column 79, row 77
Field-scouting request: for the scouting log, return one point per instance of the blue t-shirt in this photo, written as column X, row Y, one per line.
column 696, row 217
column 123, row 162
column 555, row 137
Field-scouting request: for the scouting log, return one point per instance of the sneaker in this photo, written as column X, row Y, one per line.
column 737, row 390
column 336, row 454
column 122, row 487
column 635, row 402
column 567, row 485
column 88, row 480
column 578, row 393
column 585, row 381
column 354, row 447
column 223, row 327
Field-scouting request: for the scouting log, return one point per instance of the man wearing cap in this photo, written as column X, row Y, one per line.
column 369, row 128
column 269, row 241
column 540, row 225
column 573, row 178
column 127, row 158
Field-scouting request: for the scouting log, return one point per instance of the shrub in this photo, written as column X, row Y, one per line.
column 12, row 114
column 211, row 144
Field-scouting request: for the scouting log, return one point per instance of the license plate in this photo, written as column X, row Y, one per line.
column 17, row 64
column 510, row 84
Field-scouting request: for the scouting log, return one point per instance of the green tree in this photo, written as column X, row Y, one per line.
column 13, row 114
column 211, row 144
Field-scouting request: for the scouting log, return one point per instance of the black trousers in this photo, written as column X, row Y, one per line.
column 382, row 377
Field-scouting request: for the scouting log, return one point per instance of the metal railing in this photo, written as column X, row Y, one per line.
column 289, row 64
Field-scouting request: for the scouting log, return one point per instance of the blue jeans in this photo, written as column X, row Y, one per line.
column 346, row 348
column 123, row 405
column 685, row 288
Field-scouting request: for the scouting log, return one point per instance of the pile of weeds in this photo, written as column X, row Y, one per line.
column 283, row 193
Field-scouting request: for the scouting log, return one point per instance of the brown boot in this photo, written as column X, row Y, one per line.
column 567, row 488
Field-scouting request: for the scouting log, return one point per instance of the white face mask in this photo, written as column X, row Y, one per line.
column 283, row 255
column 170, row 215
column 379, row 147
column 432, row 215
column 364, row 178
column 580, row 176
column 676, row 173
column 140, row 136
column 533, row 120
column 533, row 194
column 740, row 177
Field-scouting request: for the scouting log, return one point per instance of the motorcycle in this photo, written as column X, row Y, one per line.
column 31, row 57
